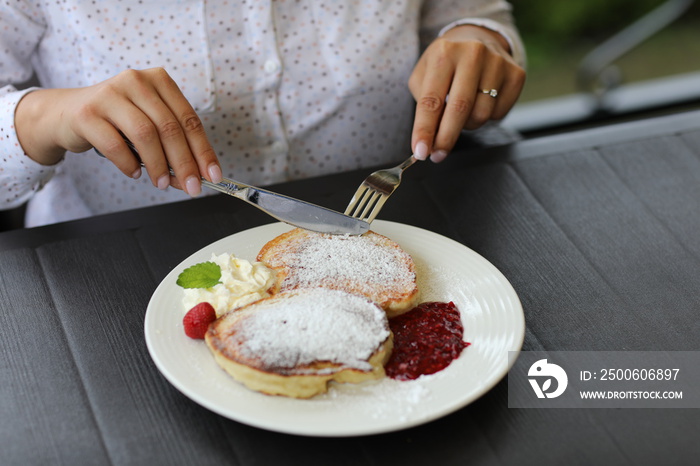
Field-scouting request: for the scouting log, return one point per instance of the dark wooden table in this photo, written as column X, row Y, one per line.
column 598, row 231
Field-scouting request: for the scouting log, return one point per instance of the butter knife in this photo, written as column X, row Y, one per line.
column 290, row 210
column 286, row 209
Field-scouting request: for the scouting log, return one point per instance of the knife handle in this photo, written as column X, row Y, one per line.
column 226, row 186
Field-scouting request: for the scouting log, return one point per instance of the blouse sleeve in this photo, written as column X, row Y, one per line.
column 20, row 176
column 438, row 16
column 21, row 29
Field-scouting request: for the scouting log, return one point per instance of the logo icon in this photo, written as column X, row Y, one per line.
column 542, row 369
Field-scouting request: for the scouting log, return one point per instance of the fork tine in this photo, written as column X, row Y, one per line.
column 375, row 190
column 368, row 204
column 372, row 199
column 357, row 200
column 377, row 207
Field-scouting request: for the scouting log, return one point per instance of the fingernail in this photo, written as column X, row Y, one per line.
column 421, row 152
column 163, row 182
column 193, row 186
column 137, row 174
column 215, row 173
column 438, row 156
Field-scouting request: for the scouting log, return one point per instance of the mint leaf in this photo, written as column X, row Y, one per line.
column 202, row 275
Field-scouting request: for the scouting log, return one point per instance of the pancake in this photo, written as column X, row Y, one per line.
column 370, row 265
column 296, row 342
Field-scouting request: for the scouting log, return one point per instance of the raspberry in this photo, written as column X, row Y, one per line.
column 197, row 320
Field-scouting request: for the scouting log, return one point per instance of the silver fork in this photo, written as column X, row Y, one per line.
column 373, row 192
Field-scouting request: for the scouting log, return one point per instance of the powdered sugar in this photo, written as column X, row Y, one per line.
column 301, row 327
column 370, row 264
column 379, row 398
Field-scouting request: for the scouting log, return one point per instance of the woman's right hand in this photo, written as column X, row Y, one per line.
column 147, row 106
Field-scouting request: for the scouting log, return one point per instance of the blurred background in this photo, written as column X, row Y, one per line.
column 590, row 61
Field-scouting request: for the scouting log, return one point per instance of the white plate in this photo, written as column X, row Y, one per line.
column 447, row 271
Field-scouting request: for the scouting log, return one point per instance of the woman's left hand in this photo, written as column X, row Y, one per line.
column 463, row 79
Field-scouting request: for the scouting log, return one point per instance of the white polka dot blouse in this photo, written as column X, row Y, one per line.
column 286, row 89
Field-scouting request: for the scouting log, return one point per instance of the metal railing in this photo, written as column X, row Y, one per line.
column 597, row 73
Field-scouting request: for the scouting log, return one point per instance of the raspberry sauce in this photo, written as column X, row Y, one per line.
column 426, row 340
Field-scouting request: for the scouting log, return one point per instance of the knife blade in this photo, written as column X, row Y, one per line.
column 290, row 210
column 286, row 209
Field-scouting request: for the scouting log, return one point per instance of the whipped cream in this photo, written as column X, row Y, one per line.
column 242, row 282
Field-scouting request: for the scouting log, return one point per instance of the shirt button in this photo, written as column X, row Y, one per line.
column 271, row 66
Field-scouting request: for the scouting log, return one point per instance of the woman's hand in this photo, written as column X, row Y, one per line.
column 146, row 106
column 461, row 64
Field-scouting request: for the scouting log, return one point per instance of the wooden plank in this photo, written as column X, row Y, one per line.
column 44, row 415
column 101, row 286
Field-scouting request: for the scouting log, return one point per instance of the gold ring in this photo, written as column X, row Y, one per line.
column 491, row 92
